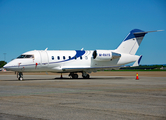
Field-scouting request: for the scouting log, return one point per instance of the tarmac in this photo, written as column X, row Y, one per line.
column 47, row 97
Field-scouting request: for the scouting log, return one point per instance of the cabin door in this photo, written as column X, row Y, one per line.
column 44, row 58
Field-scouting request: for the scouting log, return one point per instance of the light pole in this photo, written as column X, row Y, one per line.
column 4, row 56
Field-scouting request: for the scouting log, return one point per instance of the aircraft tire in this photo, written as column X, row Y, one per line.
column 20, row 78
column 75, row 76
column 86, row 77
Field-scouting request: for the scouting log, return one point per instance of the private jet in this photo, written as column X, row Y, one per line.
column 79, row 61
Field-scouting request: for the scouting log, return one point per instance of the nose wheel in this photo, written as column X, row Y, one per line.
column 20, row 76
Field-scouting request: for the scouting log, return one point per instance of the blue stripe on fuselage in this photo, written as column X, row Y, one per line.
column 78, row 54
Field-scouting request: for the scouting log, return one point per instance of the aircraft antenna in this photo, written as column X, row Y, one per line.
column 46, row 49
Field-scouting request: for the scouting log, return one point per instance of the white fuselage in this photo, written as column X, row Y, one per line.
column 65, row 61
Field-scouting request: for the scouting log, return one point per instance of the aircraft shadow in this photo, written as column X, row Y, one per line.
column 67, row 78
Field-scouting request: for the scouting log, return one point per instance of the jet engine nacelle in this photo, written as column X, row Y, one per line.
column 105, row 55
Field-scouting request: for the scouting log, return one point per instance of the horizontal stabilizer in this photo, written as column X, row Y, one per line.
column 147, row 32
column 137, row 62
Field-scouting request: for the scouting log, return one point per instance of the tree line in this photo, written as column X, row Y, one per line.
column 2, row 63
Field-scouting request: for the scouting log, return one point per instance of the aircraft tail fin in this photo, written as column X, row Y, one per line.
column 132, row 42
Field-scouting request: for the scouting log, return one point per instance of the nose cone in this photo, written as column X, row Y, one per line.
column 11, row 66
column 7, row 66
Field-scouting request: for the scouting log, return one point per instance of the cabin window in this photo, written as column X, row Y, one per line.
column 52, row 57
column 58, row 57
column 64, row 57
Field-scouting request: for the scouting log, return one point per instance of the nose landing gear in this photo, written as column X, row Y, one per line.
column 20, row 76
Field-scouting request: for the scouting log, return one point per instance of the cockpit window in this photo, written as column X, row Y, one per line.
column 21, row 56
column 29, row 56
column 26, row 56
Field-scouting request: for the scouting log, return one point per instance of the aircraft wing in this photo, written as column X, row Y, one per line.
column 88, row 69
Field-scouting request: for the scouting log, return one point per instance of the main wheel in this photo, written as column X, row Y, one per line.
column 86, row 77
column 75, row 76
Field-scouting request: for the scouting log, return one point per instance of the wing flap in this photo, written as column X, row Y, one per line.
column 88, row 69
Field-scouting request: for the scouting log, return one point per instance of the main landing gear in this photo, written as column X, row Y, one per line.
column 20, row 76
column 75, row 75
column 85, row 75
